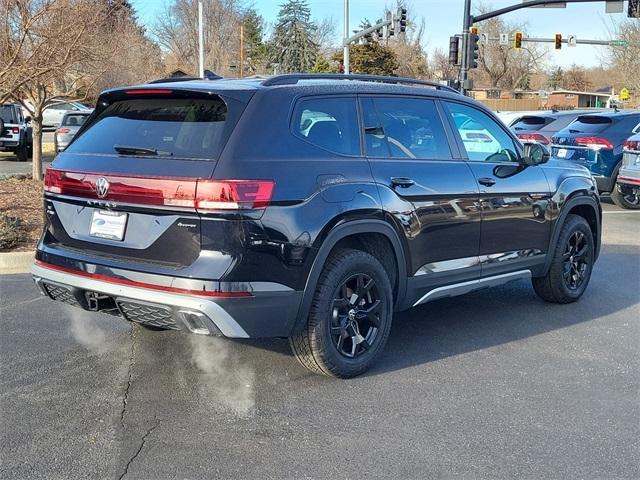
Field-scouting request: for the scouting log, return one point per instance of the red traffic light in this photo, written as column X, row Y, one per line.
column 517, row 42
column 558, row 41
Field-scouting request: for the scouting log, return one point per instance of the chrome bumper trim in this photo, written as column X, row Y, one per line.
column 222, row 320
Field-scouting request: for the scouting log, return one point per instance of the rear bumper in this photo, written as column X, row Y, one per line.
column 266, row 313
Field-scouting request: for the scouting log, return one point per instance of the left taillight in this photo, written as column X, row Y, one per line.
column 63, row 130
column 632, row 145
column 15, row 130
column 199, row 194
column 533, row 137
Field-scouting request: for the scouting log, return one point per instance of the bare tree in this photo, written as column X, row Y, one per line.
column 577, row 78
column 625, row 61
column 177, row 33
column 440, row 67
column 58, row 49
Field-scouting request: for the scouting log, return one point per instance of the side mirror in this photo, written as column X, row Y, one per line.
column 535, row 154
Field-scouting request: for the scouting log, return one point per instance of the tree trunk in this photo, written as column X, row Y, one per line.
column 36, row 122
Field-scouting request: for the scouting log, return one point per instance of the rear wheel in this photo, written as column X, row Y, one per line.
column 571, row 265
column 350, row 317
column 22, row 152
column 627, row 200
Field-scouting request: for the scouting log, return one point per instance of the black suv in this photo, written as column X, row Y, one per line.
column 15, row 131
column 308, row 207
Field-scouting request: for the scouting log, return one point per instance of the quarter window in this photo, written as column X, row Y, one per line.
column 329, row 123
column 404, row 128
column 483, row 139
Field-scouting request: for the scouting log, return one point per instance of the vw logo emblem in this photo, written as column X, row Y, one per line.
column 102, row 187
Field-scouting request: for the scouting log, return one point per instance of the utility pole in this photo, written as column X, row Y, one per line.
column 241, row 50
column 464, row 64
column 200, row 42
column 345, row 55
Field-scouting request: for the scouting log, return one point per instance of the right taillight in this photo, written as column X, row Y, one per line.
column 200, row 194
column 63, row 130
column 233, row 194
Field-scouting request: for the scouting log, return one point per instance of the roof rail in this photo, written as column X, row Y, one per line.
column 293, row 78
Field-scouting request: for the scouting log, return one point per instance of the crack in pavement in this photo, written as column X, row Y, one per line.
column 125, row 396
column 143, row 441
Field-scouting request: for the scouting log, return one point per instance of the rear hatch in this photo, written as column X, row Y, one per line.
column 527, row 129
column 585, row 141
column 130, row 189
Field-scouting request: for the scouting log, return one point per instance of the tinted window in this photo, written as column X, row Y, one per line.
column 482, row 137
column 404, row 128
column 590, row 124
column 531, row 123
column 73, row 120
column 7, row 114
column 329, row 123
column 183, row 128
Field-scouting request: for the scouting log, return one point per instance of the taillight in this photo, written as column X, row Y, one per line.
column 15, row 129
column 595, row 143
column 148, row 91
column 233, row 194
column 533, row 137
column 63, row 130
column 632, row 145
column 200, row 194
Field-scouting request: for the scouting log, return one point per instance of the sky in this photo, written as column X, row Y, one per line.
column 443, row 18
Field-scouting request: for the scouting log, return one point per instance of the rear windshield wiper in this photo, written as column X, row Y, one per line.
column 132, row 150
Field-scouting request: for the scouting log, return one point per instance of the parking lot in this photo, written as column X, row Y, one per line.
column 496, row 384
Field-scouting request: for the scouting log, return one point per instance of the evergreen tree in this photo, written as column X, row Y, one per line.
column 256, row 49
column 293, row 46
column 556, row 79
column 322, row 65
column 372, row 59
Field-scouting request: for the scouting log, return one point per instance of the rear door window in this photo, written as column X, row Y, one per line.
column 404, row 127
column 328, row 123
column 189, row 128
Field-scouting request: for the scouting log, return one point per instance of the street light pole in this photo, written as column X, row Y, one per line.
column 346, row 36
column 200, row 41
column 464, row 65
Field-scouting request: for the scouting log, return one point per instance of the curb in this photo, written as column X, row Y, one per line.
column 16, row 262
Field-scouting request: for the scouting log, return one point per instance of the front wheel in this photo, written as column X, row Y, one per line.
column 350, row 316
column 571, row 265
column 629, row 200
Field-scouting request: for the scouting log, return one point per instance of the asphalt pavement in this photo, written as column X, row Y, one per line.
column 10, row 166
column 495, row 384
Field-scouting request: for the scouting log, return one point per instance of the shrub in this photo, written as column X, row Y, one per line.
column 10, row 231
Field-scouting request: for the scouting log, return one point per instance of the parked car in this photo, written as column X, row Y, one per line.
column 542, row 126
column 211, row 207
column 15, row 131
column 595, row 141
column 69, row 126
column 510, row 117
column 52, row 115
column 627, row 191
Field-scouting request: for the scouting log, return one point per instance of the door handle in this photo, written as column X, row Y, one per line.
column 402, row 182
column 487, row 181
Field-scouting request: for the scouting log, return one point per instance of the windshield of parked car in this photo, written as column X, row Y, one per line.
column 8, row 114
column 182, row 127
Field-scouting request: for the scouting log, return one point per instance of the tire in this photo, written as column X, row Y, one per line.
column 22, row 152
column 569, row 273
column 337, row 321
column 630, row 202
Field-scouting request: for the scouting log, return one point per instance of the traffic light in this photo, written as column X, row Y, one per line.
column 473, row 51
column 402, row 19
column 558, row 41
column 634, row 9
column 517, row 41
column 453, row 50
column 475, row 30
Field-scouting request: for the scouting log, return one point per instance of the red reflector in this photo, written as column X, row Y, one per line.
column 15, row 130
column 632, row 145
column 594, row 142
column 131, row 283
column 63, row 130
column 233, row 194
column 148, row 91
column 201, row 194
column 533, row 137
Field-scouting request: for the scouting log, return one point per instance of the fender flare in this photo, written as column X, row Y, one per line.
column 333, row 237
column 566, row 208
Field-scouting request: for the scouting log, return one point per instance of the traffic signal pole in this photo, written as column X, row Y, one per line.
column 345, row 57
column 469, row 20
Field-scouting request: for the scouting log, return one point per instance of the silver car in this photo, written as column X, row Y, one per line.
column 52, row 115
column 69, row 126
column 627, row 191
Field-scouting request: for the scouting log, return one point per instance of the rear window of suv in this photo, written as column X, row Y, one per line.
column 177, row 127
column 73, row 120
column 7, row 114
column 531, row 123
column 590, row 124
